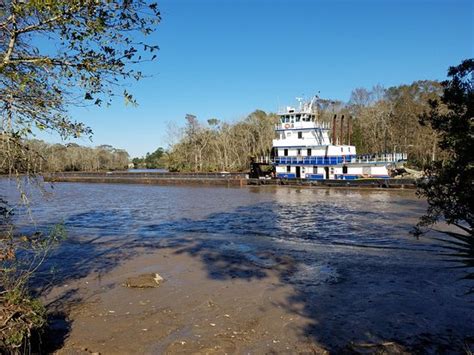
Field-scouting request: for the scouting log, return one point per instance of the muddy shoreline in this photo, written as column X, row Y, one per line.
column 188, row 313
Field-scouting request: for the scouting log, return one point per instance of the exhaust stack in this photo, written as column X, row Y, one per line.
column 342, row 130
column 349, row 129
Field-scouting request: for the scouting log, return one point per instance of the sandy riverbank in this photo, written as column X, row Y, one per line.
column 190, row 312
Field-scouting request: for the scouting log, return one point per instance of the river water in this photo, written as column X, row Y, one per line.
column 357, row 268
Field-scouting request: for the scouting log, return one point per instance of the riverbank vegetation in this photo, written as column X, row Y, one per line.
column 73, row 157
column 221, row 146
column 449, row 182
column 387, row 120
column 449, row 185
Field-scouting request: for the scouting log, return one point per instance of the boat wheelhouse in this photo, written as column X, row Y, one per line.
column 307, row 148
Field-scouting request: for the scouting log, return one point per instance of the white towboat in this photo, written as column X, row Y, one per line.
column 307, row 148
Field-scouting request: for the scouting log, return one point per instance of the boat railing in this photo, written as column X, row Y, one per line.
column 381, row 157
column 312, row 160
column 264, row 159
column 332, row 160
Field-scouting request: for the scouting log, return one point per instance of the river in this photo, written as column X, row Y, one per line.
column 356, row 272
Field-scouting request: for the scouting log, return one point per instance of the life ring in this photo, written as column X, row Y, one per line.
column 287, row 125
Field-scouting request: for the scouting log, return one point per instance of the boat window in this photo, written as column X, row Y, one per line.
column 308, row 152
column 292, row 118
column 288, row 169
column 344, row 169
column 298, row 152
column 300, row 135
column 342, row 149
column 298, row 118
column 285, row 152
column 315, row 169
column 276, row 152
column 282, row 119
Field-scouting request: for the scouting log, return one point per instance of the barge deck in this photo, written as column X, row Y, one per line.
column 219, row 179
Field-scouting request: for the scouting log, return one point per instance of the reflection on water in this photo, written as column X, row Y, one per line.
column 301, row 223
column 317, row 216
column 272, row 215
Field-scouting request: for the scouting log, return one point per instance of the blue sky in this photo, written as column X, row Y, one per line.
column 226, row 58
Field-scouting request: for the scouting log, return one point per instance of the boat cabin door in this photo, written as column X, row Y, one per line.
column 298, row 172
column 326, row 172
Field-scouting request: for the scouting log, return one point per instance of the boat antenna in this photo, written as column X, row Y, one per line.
column 313, row 101
column 300, row 100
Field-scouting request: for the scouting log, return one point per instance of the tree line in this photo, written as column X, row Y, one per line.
column 153, row 160
column 38, row 156
column 387, row 120
column 221, row 146
column 382, row 120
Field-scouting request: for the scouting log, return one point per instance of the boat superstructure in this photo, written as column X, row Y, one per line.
column 305, row 147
